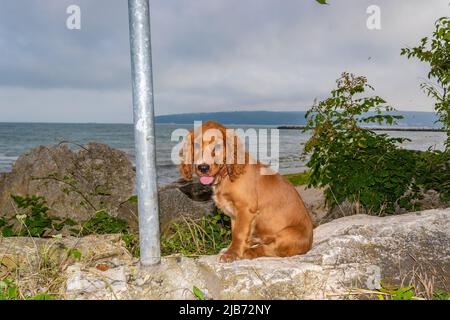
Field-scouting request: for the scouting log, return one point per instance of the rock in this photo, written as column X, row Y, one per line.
column 76, row 184
column 349, row 253
column 314, row 200
column 3, row 178
column 318, row 210
column 184, row 200
column 92, row 248
column 112, row 279
column 315, row 203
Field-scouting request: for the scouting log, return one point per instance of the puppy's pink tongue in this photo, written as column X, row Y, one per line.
column 206, row 180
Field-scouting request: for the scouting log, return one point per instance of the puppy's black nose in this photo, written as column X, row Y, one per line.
column 203, row 168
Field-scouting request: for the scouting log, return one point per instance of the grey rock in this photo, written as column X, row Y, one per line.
column 350, row 255
column 75, row 184
column 314, row 200
column 184, row 200
column 82, row 283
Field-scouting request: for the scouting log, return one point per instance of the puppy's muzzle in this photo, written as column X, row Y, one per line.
column 203, row 168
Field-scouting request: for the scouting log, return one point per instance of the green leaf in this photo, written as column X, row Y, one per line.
column 74, row 253
column 7, row 232
column 133, row 199
column 43, row 296
column 322, row 1
column 198, row 293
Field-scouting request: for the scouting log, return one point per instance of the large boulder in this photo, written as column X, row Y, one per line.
column 75, row 184
column 350, row 255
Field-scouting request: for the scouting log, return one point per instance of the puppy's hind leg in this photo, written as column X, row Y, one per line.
column 261, row 247
column 288, row 242
column 262, row 250
column 293, row 241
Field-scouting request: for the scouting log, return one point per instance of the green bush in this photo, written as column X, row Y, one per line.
column 351, row 162
column 436, row 53
column 103, row 223
column 356, row 164
column 433, row 173
column 32, row 218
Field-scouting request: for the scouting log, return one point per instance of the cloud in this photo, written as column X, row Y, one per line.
column 208, row 55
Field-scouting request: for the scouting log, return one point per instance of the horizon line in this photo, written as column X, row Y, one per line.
column 176, row 114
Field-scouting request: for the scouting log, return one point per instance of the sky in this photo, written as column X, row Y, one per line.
column 208, row 55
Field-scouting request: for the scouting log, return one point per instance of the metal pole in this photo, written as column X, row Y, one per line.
column 144, row 131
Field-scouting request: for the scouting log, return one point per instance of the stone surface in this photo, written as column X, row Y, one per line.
column 348, row 253
column 183, row 200
column 314, row 200
column 93, row 248
column 315, row 203
column 76, row 184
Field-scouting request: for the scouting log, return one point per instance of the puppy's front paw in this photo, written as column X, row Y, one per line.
column 223, row 251
column 228, row 257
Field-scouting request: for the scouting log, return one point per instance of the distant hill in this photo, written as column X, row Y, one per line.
column 412, row 118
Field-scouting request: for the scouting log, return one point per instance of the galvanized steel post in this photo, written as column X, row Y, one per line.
column 144, row 131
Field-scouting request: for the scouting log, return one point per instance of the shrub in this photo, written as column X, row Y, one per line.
column 32, row 218
column 103, row 223
column 351, row 162
column 436, row 52
column 433, row 173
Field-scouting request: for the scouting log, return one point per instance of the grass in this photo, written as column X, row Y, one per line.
column 205, row 236
column 417, row 284
column 10, row 291
column 298, row 179
column 190, row 237
column 408, row 292
column 32, row 220
column 40, row 275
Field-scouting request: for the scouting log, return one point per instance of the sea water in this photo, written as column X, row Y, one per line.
column 17, row 138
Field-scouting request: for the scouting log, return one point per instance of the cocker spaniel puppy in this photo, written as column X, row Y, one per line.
column 268, row 216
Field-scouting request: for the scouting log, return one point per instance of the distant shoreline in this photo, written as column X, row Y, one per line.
column 373, row 128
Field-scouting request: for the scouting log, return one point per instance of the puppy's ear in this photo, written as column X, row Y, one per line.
column 237, row 158
column 186, row 157
column 234, row 170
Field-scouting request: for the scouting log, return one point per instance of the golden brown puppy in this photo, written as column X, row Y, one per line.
column 268, row 217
